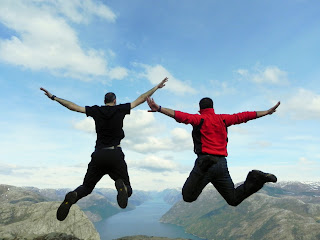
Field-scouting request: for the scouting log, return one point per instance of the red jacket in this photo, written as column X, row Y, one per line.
column 209, row 132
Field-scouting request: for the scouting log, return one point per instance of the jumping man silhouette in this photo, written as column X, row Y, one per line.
column 108, row 157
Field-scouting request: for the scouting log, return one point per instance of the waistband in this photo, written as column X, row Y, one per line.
column 213, row 155
column 110, row 148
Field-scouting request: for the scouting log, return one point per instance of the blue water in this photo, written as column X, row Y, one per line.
column 144, row 220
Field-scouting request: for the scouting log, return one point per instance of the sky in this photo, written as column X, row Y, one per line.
column 245, row 55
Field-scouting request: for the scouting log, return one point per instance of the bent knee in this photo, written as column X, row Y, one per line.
column 233, row 202
column 188, row 198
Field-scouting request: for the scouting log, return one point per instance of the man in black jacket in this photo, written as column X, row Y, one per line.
column 108, row 157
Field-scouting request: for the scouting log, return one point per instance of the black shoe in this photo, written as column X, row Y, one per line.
column 265, row 177
column 122, row 196
column 65, row 206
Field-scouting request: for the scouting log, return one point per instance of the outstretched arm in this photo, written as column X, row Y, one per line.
column 268, row 112
column 70, row 105
column 143, row 97
column 156, row 108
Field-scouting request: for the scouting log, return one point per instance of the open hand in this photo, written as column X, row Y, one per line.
column 162, row 83
column 273, row 109
column 152, row 104
column 46, row 92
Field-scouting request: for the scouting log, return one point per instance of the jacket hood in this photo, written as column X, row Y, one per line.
column 207, row 111
column 108, row 111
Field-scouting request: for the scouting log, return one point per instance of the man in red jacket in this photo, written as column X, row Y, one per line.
column 210, row 138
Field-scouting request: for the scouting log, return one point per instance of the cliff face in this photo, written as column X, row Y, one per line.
column 260, row 217
column 100, row 204
column 23, row 215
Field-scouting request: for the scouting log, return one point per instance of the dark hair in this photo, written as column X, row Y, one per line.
column 206, row 103
column 109, row 97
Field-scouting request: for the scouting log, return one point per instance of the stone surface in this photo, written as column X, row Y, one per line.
column 23, row 215
column 260, row 217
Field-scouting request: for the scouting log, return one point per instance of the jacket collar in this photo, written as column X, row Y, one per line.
column 207, row 111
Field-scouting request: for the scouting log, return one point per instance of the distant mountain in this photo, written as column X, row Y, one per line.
column 170, row 196
column 25, row 215
column 288, row 210
column 306, row 192
column 137, row 198
column 100, row 204
column 11, row 194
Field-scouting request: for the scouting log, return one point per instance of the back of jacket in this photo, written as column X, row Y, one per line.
column 209, row 132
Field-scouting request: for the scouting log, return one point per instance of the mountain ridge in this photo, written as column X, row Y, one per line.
column 279, row 211
column 285, row 210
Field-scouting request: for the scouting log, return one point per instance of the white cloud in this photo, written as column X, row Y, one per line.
column 79, row 11
column 239, row 129
column 270, row 75
column 220, row 88
column 155, row 164
column 303, row 104
column 155, row 181
column 305, row 161
column 7, row 169
column 139, row 119
column 150, row 144
column 118, row 73
column 86, row 125
column 178, row 140
column 262, row 144
column 301, row 138
column 44, row 177
column 180, row 134
column 156, row 73
column 44, row 40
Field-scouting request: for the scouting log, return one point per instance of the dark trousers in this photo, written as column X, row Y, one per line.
column 214, row 169
column 104, row 161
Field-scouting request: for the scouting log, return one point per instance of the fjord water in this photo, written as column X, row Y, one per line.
column 144, row 220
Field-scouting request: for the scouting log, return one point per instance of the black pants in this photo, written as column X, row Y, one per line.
column 104, row 161
column 214, row 169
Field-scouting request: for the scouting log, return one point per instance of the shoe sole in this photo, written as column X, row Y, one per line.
column 267, row 177
column 122, row 197
column 271, row 178
column 65, row 206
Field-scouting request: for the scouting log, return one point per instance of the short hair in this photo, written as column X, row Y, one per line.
column 109, row 97
column 206, row 103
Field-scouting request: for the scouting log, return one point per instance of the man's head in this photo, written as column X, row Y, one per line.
column 110, row 98
column 206, row 103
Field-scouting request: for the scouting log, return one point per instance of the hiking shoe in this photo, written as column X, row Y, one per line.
column 65, row 206
column 266, row 177
column 122, row 196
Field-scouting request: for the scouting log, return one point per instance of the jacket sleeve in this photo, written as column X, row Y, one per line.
column 182, row 117
column 237, row 118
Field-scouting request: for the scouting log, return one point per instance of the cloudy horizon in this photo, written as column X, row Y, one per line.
column 245, row 56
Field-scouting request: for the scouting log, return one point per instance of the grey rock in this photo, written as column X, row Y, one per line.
column 11, row 194
column 260, row 217
column 28, row 221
